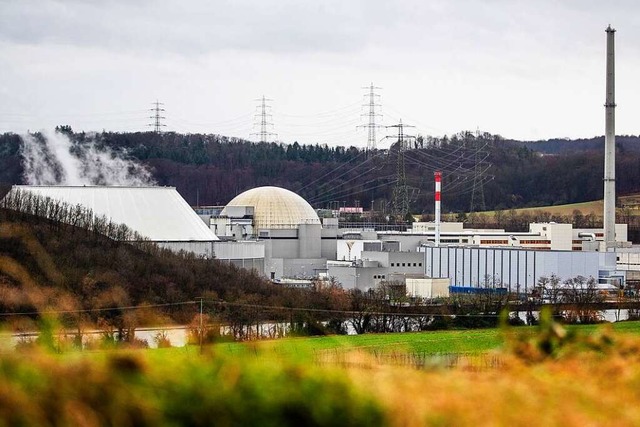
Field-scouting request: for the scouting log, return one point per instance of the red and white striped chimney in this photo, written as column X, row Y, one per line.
column 438, row 177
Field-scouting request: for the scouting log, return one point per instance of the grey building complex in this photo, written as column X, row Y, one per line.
column 278, row 234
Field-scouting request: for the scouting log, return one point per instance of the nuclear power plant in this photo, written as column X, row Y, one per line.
column 299, row 246
column 278, row 234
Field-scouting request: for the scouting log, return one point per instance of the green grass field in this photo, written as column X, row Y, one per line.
column 552, row 377
column 594, row 206
column 433, row 342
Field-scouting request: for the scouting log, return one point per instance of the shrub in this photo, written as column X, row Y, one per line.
column 38, row 389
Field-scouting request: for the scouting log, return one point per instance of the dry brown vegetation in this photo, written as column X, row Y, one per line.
column 553, row 377
column 576, row 392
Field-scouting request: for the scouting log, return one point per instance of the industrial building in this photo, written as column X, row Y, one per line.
column 159, row 214
column 298, row 245
column 517, row 270
column 541, row 236
column 475, row 258
column 288, row 227
column 276, row 232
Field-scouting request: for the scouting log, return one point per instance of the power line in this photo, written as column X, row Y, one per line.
column 157, row 124
column 372, row 115
column 96, row 310
column 477, row 192
column 401, row 190
column 349, row 312
column 264, row 134
column 198, row 302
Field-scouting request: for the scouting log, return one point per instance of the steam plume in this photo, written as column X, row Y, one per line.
column 51, row 158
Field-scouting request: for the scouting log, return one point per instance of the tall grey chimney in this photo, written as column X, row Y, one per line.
column 610, row 147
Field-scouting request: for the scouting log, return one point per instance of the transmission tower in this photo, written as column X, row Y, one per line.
column 157, row 110
column 401, row 190
column 477, row 191
column 372, row 115
column 263, row 108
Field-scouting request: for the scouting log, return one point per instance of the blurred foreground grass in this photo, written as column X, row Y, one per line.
column 548, row 375
column 159, row 388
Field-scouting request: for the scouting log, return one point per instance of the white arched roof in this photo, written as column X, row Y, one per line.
column 276, row 207
column 157, row 213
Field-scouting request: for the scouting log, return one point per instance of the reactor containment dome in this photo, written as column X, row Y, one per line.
column 275, row 207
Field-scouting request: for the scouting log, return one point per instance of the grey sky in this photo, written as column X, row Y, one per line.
column 523, row 69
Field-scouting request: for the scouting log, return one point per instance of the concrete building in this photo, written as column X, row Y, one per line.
column 475, row 257
column 518, row 270
column 541, row 236
column 158, row 213
column 287, row 226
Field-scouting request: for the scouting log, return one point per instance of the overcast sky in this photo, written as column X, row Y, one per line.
column 521, row 69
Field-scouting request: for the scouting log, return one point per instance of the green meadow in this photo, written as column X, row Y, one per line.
column 546, row 375
column 432, row 342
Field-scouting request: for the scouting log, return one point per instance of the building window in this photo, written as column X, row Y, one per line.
column 403, row 264
column 414, row 264
column 392, row 265
column 419, row 264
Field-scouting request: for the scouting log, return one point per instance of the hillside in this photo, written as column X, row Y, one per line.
column 84, row 279
column 52, row 266
column 212, row 169
column 624, row 144
column 628, row 206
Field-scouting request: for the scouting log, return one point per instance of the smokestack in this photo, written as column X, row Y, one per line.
column 610, row 147
column 438, row 178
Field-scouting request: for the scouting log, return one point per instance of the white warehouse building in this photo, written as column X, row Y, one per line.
column 477, row 257
column 159, row 214
column 518, row 270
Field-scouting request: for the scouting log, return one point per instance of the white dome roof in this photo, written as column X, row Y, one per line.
column 276, row 207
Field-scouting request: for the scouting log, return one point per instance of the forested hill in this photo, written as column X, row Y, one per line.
column 212, row 169
column 624, row 143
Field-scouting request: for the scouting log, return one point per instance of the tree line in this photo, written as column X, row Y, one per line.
column 212, row 169
column 106, row 278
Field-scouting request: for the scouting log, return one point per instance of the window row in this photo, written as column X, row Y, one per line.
column 406, row 264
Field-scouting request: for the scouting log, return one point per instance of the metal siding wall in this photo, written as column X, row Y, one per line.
column 487, row 278
column 428, row 261
column 504, row 269
column 459, row 265
column 517, row 270
column 470, row 265
column 564, row 267
column 446, row 254
column 473, row 266
column 513, row 272
column 520, row 265
column 530, row 283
